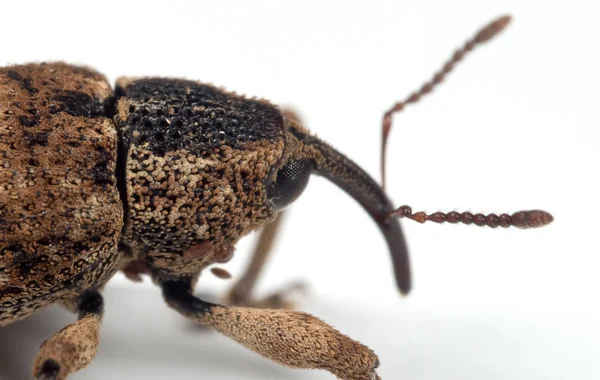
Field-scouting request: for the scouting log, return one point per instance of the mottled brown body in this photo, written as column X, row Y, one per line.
column 60, row 212
column 194, row 159
column 163, row 177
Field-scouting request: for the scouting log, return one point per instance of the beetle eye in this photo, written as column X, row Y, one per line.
column 290, row 183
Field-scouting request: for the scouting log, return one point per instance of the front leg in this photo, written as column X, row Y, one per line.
column 294, row 339
column 75, row 346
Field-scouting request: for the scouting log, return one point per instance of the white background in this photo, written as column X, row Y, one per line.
column 515, row 127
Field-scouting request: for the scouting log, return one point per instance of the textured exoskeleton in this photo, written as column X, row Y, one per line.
column 60, row 212
column 164, row 176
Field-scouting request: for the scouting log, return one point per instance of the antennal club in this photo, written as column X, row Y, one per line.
column 520, row 219
column 484, row 35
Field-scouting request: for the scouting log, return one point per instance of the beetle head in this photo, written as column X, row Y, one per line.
column 205, row 167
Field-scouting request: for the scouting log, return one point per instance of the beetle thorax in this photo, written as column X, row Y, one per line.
column 194, row 182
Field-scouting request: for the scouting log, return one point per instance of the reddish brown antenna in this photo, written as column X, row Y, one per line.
column 519, row 219
column 484, row 35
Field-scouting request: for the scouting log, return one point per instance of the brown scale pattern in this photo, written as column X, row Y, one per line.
column 191, row 189
column 72, row 348
column 60, row 213
column 294, row 339
column 200, row 194
column 212, row 200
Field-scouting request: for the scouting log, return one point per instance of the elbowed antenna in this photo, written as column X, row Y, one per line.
column 340, row 170
column 336, row 167
column 520, row 219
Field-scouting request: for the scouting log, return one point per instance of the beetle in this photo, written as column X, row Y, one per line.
column 163, row 176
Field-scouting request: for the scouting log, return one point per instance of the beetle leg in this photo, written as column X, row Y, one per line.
column 241, row 291
column 294, row 339
column 74, row 347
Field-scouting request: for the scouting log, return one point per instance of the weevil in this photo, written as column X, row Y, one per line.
column 163, row 176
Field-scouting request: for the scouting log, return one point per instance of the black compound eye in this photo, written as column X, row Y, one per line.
column 290, row 183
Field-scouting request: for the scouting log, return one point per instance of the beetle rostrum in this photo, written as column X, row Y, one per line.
column 163, row 177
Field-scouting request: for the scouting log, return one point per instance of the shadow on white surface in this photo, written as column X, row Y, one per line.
column 143, row 339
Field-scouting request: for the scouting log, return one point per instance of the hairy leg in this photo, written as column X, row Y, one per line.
column 75, row 346
column 294, row 339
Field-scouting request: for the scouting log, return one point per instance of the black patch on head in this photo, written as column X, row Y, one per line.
column 25, row 83
column 77, row 103
column 174, row 114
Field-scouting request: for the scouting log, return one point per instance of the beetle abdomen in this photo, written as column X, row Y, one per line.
column 60, row 212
